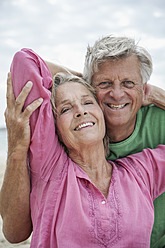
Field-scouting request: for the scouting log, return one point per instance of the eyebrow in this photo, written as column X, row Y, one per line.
column 109, row 77
column 67, row 100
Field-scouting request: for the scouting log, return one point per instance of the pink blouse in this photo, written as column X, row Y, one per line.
column 67, row 210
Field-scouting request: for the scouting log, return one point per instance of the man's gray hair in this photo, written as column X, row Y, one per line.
column 112, row 48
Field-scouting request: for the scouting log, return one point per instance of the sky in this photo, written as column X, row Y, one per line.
column 60, row 30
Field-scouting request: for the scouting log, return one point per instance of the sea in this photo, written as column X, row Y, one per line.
column 3, row 141
column 3, row 156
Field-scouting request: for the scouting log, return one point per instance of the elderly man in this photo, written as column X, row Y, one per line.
column 119, row 70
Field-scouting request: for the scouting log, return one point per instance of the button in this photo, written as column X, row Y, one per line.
column 103, row 202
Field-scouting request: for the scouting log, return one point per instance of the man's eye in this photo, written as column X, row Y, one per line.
column 104, row 84
column 128, row 84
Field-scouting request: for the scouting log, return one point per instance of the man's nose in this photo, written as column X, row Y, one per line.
column 117, row 92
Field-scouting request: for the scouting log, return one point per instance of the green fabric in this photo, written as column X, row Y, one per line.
column 149, row 132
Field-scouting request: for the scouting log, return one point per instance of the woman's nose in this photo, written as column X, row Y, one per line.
column 81, row 114
column 80, row 111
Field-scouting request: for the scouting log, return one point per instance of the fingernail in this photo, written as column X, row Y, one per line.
column 29, row 84
column 40, row 99
column 8, row 74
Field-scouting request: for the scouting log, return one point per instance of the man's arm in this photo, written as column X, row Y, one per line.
column 154, row 95
column 54, row 68
column 15, row 191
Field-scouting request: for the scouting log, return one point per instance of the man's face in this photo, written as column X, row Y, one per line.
column 119, row 90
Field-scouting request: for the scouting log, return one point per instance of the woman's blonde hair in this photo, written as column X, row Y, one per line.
column 61, row 78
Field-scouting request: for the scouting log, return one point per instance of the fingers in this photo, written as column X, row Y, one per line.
column 17, row 120
column 31, row 108
column 15, row 106
column 20, row 100
column 10, row 94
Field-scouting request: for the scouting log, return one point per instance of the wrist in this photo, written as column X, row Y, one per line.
column 156, row 95
column 18, row 154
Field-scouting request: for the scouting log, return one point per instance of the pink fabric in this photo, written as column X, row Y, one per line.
column 68, row 211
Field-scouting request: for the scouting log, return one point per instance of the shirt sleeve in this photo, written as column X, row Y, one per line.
column 44, row 146
column 149, row 165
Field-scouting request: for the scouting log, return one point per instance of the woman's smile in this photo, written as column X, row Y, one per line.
column 80, row 113
column 84, row 125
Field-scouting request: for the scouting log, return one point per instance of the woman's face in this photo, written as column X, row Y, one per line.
column 79, row 119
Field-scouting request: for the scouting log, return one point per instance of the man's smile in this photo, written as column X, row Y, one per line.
column 120, row 106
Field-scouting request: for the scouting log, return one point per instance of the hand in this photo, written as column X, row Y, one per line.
column 17, row 121
column 147, row 99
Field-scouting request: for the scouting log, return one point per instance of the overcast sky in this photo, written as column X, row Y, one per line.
column 60, row 30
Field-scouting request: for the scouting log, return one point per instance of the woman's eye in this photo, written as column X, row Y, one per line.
column 128, row 84
column 64, row 110
column 88, row 102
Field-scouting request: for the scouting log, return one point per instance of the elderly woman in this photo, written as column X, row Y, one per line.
column 77, row 198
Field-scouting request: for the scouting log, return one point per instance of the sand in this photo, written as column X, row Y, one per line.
column 3, row 241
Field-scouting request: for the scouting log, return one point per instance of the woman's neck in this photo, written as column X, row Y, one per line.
column 92, row 160
column 88, row 156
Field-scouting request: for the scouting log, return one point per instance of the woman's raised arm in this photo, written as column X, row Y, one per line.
column 25, row 127
column 15, row 191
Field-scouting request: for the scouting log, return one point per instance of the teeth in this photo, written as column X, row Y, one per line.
column 116, row 106
column 84, row 125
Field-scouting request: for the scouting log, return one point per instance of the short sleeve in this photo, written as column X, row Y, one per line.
column 149, row 165
column 44, row 147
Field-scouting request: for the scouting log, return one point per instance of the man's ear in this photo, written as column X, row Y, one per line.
column 145, row 87
column 145, row 90
column 146, row 95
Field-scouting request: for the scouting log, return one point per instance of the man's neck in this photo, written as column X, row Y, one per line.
column 119, row 133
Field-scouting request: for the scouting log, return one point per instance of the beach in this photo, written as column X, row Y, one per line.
column 3, row 151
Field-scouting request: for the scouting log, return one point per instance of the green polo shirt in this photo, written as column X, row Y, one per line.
column 149, row 132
